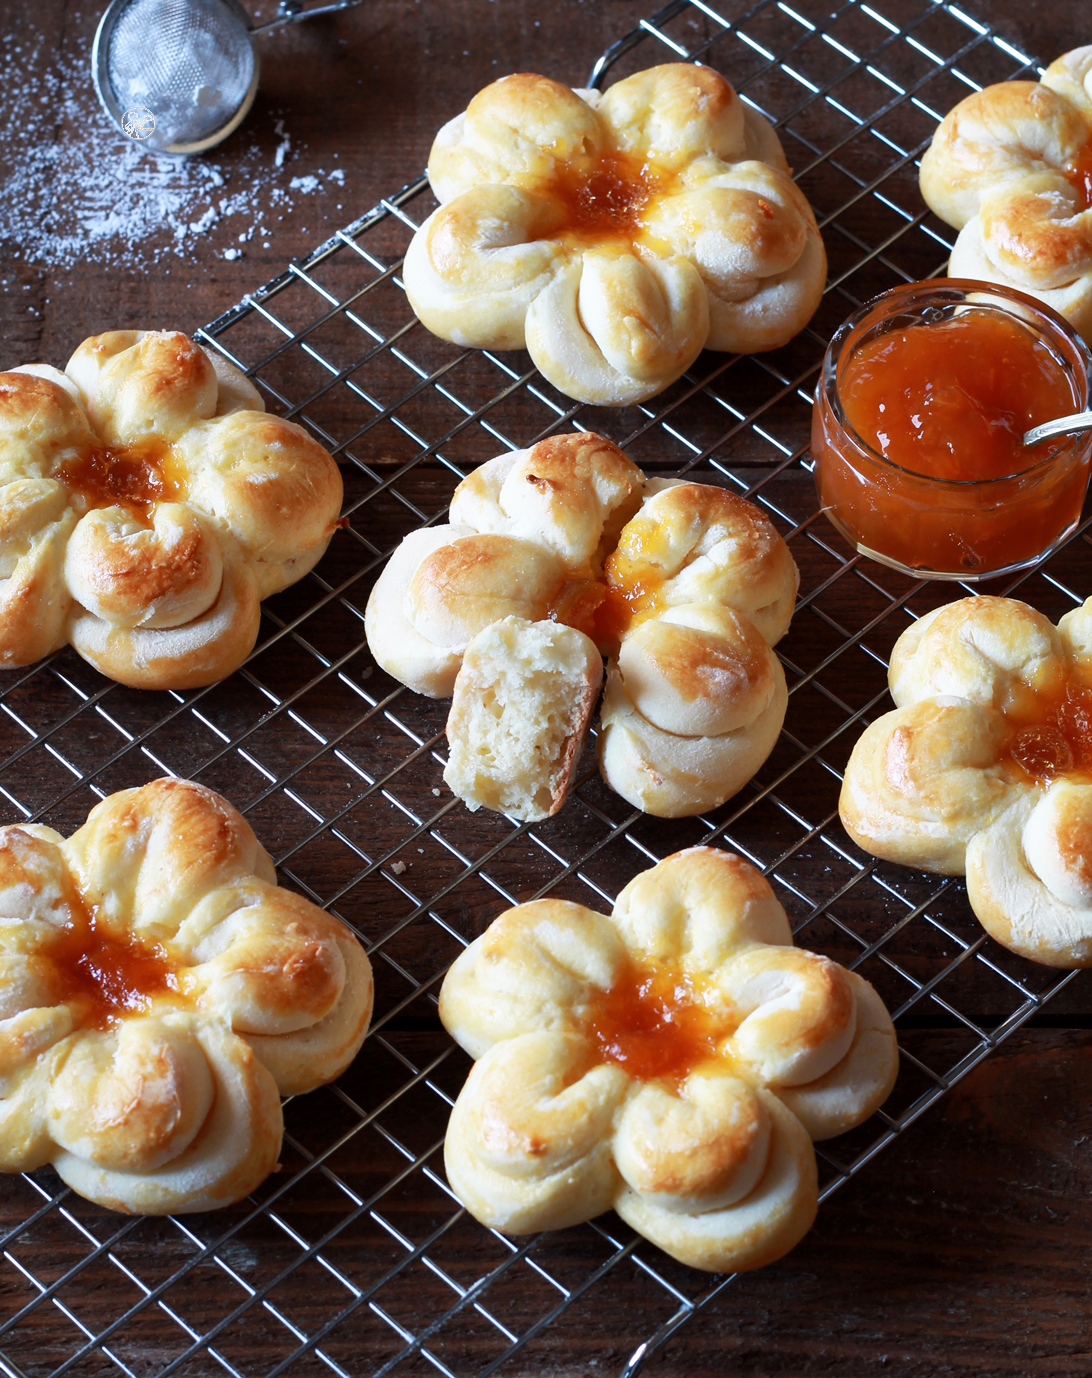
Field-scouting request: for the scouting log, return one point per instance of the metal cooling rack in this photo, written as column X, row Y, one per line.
column 354, row 1258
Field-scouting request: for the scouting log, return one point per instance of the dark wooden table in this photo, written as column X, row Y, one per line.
column 963, row 1248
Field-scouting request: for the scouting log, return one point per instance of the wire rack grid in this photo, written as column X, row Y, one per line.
column 355, row 1258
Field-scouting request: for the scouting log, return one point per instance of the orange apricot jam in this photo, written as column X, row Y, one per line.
column 634, row 591
column 613, row 617
column 577, row 605
column 131, row 476
column 634, row 582
column 1079, row 172
column 952, row 400
column 605, row 609
column 605, row 202
column 1054, row 737
column 102, row 977
column 656, row 1023
column 916, row 431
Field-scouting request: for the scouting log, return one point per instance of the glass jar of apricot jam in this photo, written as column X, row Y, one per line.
column 916, row 431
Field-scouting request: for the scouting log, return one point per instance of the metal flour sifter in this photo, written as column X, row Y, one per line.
column 180, row 75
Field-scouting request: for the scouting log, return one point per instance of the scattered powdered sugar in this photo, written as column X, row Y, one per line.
column 206, row 222
column 80, row 191
column 284, row 147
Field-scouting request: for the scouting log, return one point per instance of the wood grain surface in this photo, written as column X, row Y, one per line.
column 965, row 1247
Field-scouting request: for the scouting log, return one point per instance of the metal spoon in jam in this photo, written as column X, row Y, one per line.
column 1061, row 425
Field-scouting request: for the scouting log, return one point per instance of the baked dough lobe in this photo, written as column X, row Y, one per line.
column 684, row 586
column 982, row 769
column 1008, row 168
column 158, row 993
column 572, row 493
column 709, row 1155
column 614, row 235
column 695, row 695
column 147, row 505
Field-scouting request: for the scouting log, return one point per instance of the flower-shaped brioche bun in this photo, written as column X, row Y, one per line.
column 983, row 769
column 614, row 235
column 683, row 585
column 158, row 992
column 147, row 505
column 672, row 1061
column 1010, row 167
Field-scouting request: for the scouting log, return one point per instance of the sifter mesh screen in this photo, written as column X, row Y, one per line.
column 190, row 62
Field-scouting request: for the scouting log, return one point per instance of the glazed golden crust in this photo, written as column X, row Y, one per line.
column 147, row 504
column 463, row 587
column 154, row 1086
column 701, row 670
column 695, row 696
column 923, row 780
column 714, row 245
column 996, row 652
column 933, row 784
column 672, row 775
column 709, row 1162
column 570, row 493
column 1028, row 879
column 696, row 582
column 1004, row 169
column 693, row 543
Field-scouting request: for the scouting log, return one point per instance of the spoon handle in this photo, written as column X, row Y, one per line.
column 292, row 11
column 1082, row 421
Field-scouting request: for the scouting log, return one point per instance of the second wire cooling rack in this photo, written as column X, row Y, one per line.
column 355, row 1258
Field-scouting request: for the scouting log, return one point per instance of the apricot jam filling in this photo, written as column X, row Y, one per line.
column 102, row 977
column 605, row 609
column 1079, row 173
column 634, row 581
column 577, row 605
column 626, row 604
column 1055, row 738
column 657, row 1023
column 131, row 476
column 606, row 202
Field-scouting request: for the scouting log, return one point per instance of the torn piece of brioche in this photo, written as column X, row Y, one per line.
column 521, row 709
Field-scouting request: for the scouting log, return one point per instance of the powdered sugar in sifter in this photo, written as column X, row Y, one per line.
column 180, row 75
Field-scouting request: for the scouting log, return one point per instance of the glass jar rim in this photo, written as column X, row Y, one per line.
column 954, row 291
